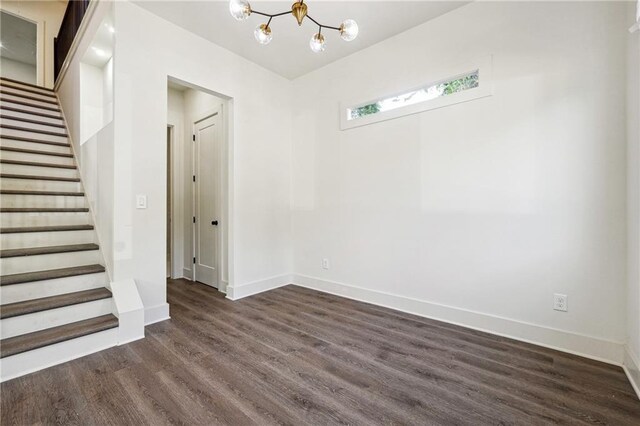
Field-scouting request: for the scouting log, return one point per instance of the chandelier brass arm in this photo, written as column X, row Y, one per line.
column 241, row 10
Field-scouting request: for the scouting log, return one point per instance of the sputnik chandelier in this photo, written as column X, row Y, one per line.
column 241, row 9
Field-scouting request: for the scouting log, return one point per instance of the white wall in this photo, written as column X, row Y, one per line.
column 260, row 156
column 633, row 203
column 18, row 70
column 95, row 151
column 107, row 92
column 91, row 116
column 48, row 15
column 70, row 88
column 479, row 212
column 97, row 171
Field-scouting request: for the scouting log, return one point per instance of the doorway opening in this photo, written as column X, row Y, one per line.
column 170, row 179
column 18, row 52
column 197, row 185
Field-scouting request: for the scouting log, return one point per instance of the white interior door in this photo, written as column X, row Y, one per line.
column 207, row 153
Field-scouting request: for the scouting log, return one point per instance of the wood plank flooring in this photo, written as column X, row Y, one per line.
column 297, row 356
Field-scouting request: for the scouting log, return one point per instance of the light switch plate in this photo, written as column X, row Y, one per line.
column 141, row 201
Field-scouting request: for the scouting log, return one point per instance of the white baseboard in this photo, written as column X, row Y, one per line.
column 157, row 313
column 632, row 369
column 578, row 344
column 186, row 273
column 222, row 286
column 255, row 287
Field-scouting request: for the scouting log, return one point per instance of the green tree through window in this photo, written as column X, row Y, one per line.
column 464, row 83
column 365, row 110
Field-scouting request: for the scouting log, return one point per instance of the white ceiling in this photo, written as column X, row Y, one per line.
column 18, row 37
column 288, row 54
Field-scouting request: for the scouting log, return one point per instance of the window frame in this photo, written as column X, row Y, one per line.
column 484, row 89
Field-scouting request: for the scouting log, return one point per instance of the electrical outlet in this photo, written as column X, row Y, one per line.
column 560, row 302
column 325, row 264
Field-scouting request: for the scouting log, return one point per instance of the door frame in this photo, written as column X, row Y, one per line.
column 171, row 196
column 222, row 196
column 177, row 210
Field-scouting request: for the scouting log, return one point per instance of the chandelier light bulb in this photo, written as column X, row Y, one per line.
column 317, row 43
column 239, row 9
column 349, row 30
column 263, row 34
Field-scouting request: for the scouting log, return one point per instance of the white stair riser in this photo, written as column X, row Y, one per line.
column 34, row 135
column 38, row 359
column 16, row 220
column 20, row 169
column 31, row 116
column 54, row 201
column 38, row 158
column 40, row 185
column 27, row 91
column 40, row 102
column 23, row 324
column 35, row 146
column 39, row 289
column 45, row 239
column 20, row 123
column 27, row 108
column 44, row 262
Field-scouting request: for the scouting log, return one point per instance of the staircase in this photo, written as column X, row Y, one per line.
column 54, row 300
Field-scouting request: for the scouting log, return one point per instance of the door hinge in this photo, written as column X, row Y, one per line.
column 194, row 219
column 194, row 138
column 194, row 178
column 194, row 260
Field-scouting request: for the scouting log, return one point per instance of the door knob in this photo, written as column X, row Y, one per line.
column 214, row 222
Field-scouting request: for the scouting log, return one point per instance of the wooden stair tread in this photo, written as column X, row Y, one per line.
column 35, row 151
column 31, row 192
column 44, row 209
column 32, row 140
column 46, row 89
column 50, row 336
column 37, row 164
column 35, row 177
column 35, row 92
column 24, row 111
column 28, row 120
column 61, row 228
column 34, row 251
column 50, row 274
column 13, row 101
column 29, row 130
column 52, row 302
column 31, row 98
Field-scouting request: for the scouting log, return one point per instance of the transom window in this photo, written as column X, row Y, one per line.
column 457, row 84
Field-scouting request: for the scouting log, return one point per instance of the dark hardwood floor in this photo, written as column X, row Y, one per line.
column 296, row 356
